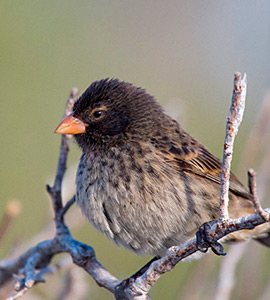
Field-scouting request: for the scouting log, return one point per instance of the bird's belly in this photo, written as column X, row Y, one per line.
column 146, row 214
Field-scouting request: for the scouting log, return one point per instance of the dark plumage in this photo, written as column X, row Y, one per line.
column 142, row 179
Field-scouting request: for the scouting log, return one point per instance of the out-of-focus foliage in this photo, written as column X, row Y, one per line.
column 183, row 52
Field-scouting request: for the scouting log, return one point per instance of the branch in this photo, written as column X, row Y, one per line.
column 228, row 266
column 234, row 120
column 253, row 190
column 56, row 191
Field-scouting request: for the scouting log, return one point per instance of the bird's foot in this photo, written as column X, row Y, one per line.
column 205, row 239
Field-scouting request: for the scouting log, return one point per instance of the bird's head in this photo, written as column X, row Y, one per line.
column 109, row 112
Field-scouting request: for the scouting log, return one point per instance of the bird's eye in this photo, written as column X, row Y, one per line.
column 98, row 114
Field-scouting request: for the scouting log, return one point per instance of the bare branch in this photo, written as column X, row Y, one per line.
column 55, row 191
column 66, row 207
column 234, row 120
column 253, row 190
column 252, row 152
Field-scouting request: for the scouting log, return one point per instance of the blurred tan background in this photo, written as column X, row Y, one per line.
column 182, row 52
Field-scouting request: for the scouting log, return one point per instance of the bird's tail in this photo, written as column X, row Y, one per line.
column 264, row 240
column 262, row 234
column 242, row 207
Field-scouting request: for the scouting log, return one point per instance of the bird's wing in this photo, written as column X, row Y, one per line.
column 187, row 154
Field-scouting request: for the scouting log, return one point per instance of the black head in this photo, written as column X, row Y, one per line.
column 114, row 111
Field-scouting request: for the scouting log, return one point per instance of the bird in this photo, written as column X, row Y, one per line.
column 142, row 179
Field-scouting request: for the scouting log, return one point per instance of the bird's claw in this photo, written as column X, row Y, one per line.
column 205, row 240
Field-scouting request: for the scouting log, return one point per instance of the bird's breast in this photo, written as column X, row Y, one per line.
column 138, row 200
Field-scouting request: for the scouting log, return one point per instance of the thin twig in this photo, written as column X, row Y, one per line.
column 55, row 191
column 66, row 207
column 233, row 122
column 253, row 190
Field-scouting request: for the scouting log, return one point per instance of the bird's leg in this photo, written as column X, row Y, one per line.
column 205, row 240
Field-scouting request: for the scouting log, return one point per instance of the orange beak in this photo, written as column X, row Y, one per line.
column 71, row 125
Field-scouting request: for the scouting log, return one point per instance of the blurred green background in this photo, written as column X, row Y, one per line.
column 183, row 52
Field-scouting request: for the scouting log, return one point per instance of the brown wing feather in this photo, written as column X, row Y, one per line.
column 186, row 153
